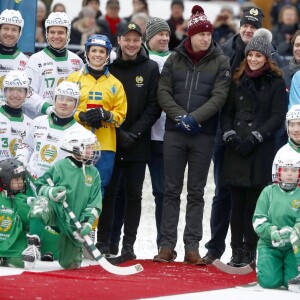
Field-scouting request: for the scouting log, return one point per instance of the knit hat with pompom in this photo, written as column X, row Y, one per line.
column 198, row 22
column 261, row 42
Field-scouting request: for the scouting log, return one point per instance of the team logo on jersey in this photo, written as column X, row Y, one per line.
column 14, row 145
column 113, row 89
column 139, row 81
column 6, row 68
column 18, row 132
column 296, row 204
column 88, row 180
column 49, row 153
column 62, row 70
column 5, row 223
column 3, row 130
column 51, row 138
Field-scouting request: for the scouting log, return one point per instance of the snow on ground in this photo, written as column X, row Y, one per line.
column 145, row 246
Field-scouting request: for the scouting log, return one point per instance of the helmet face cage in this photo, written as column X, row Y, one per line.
column 98, row 40
column 12, row 17
column 292, row 114
column 58, row 19
column 83, row 147
column 11, row 168
column 287, row 159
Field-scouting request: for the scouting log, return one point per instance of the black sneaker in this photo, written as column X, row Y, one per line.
column 128, row 248
column 237, row 257
column 209, row 258
column 48, row 256
column 249, row 257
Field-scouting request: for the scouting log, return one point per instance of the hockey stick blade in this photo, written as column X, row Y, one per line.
column 121, row 258
column 233, row 270
column 96, row 253
column 106, row 265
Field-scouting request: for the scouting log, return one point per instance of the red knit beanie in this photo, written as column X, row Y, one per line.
column 198, row 22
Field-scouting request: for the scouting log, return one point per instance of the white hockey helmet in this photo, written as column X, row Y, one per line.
column 68, row 89
column 83, row 146
column 292, row 114
column 16, row 79
column 286, row 157
column 58, row 19
column 12, row 17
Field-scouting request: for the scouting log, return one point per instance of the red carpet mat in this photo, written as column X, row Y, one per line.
column 157, row 279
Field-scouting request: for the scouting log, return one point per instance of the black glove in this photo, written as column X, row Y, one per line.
column 84, row 118
column 233, row 140
column 126, row 139
column 98, row 114
column 248, row 145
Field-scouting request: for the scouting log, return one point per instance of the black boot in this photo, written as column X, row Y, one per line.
column 249, row 256
column 237, row 257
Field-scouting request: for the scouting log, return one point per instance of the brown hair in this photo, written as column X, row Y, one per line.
column 288, row 7
column 297, row 33
column 240, row 71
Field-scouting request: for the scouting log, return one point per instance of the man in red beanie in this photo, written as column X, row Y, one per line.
column 192, row 89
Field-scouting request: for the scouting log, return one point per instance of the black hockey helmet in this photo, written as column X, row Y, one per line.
column 10, row 168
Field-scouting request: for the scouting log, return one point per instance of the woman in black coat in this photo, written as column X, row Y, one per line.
column 256, row 107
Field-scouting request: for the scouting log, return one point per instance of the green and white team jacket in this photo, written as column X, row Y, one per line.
column 16, row 61
column 14, row 224
column 13, row 132
column 275, row 207
column 41, row 147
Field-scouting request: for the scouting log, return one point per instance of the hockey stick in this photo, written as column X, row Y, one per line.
column 233, row 270
column 96, row 253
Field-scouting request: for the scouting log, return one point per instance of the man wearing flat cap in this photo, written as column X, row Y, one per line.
column 139, row 76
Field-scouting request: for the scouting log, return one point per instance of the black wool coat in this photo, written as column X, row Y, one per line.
column 258, row 104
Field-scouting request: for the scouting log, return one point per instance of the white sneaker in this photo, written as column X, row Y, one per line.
column 32, row 252
column 294, row 284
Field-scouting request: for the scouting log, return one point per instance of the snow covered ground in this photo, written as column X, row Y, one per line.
column 145, row 246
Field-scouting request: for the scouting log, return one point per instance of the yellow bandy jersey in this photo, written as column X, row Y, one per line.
column 41, row 147
column 16, row 61
column 107, row 92
column 13, row 131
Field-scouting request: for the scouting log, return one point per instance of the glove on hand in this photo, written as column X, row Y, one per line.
column 285, row 233
column 77, row 236
column 248, row 145
column 295, row 235
column 188, row 125
column 98, row 114
column 232, row 139
column 276, row 238
column 83, row 118
column 86, row 229
column 126, row 139
column 55, row 193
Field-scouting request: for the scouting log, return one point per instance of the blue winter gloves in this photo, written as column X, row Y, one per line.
column 282, row 236
column 295, row 235
column 55, row 193
column 188, row 125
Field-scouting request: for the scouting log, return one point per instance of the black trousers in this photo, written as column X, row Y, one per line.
column 243, row 203
column 133, row 178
